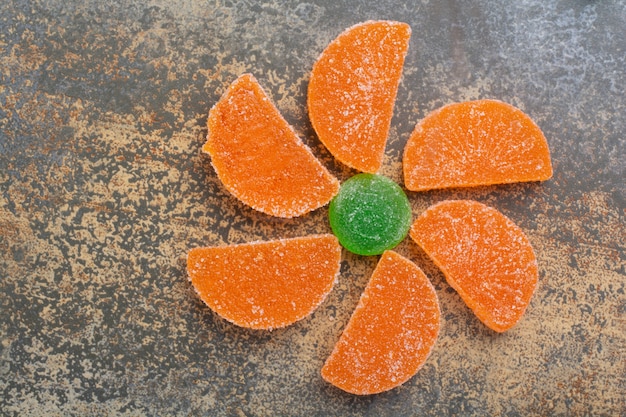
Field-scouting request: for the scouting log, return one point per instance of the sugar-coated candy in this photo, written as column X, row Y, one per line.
column 370, row 214
column 353, row 89
column 266, row 285
column 391, row 332
column 484, row 256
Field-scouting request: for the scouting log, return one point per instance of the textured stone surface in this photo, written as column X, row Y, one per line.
column 103, row 106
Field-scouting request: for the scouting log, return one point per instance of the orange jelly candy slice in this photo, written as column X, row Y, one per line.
column 391, row 332
column 353, row 89
column 484, row 256
column 260, row 159
column 473, row 143
column 266, row 285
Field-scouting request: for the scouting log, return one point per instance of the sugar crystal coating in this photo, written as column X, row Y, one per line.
column 353, row 89
column 484, row 256
column 391, row 332
column 260, row 159
column 473, row 143
column 370, row 214
column 266, row 285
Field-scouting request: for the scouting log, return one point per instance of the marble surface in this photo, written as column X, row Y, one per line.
column 103, row 189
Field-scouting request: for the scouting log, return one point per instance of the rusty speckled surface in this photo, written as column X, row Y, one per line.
column 103, row 189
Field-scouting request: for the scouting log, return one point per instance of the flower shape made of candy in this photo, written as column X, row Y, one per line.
column 260, row 160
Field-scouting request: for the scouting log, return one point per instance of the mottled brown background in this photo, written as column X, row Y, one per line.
column 103, row 189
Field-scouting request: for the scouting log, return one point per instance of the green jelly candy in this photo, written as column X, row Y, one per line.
column 370, row 214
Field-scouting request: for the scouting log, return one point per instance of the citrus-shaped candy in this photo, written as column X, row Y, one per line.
column 353, row 89
column 266, row 285
column 474, row 143
column 484, row 256
column 391, row 332
column 370, row 214
column 260, row 159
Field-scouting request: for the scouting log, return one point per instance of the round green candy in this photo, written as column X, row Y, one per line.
column 370, row 214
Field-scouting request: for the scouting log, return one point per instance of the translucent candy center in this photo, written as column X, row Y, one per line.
column 370, row 214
